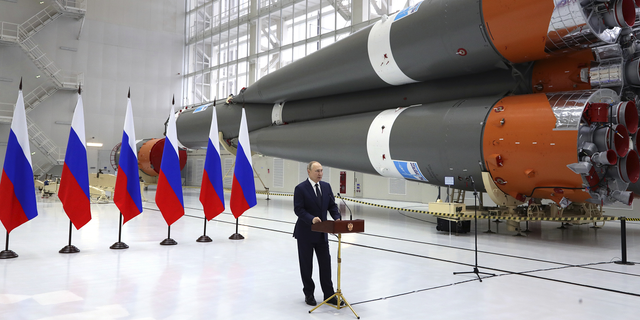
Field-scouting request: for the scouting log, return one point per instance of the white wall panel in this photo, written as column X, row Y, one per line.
column 138, row 71
column 111, row 33
column 127, row 37
column 123, row 64
column 109, row 62
column 110, row 97
column 92, row 31
column 95, row 54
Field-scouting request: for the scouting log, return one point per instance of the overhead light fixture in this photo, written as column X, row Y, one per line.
column 6, row 79
column 38, row 76
column 94, row 144
column 66, row 123
column 69, row 49
column 32, row 153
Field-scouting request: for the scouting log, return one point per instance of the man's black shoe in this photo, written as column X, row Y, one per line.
column 310, row 300
column 334, row 301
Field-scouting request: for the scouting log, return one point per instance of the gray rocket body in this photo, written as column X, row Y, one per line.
column 193, row 125
column 415, row 47
column 442, row 139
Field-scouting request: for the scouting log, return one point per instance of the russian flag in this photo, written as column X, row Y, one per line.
column 243, row 189
column 127, row 195
column 17, row 190
column 74, row 183
column 212, row 191
column 169, row 192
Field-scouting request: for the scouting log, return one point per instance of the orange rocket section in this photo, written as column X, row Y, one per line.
column 144, row 157
column 561, row 73
column 518, row 28
column 524, row 154
column 150, row 156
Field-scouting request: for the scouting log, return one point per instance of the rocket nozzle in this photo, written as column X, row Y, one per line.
column 621, row 14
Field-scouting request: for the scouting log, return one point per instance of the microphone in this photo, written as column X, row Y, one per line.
column 345, row 204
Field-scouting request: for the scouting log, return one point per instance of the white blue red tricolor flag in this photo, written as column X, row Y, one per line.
column 127, row 195
column 243, row 189
column 169, row 192
column 212, row 190
column 74, row 183
column 17, row 190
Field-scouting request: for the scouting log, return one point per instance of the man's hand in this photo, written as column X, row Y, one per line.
column 316, row 220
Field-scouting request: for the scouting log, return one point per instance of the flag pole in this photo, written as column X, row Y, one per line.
column 6, row 253
column 119, row 244
column 204, row 237
column 236, row 236
column 168, row 241
column 70, row 248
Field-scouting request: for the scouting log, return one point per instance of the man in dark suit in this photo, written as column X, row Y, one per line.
column 312, row 199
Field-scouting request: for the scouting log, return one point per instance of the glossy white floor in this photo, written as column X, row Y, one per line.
column 400, row 268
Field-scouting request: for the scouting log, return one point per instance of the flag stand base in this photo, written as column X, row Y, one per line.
column 204, row 238
column 69, row 249
column 8, row 254
column 168, row 242
column 236, row 236
column 119, row 245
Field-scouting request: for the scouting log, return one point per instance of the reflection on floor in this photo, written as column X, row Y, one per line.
column 400, row 268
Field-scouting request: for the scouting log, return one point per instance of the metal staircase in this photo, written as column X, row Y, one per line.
column 11, row 33
column 62, row 80
column 37, row 95
column 53, row 154
column 20, row 34
column 72, row 8
column 31, row 100
column 342, row 9
column 37, row 22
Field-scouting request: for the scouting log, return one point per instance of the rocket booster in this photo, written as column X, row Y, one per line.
column 538, row 98
column 446, row 39
column 193, row 124
column 532, row 145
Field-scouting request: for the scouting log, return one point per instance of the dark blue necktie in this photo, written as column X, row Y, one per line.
column 318, row 195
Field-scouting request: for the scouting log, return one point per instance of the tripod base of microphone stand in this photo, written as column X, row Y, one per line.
column 119, row 245
column 69, row 249
column 168, row 242
column 340, row 298
column 476, row 272
column 8, row 254
column 204, row 238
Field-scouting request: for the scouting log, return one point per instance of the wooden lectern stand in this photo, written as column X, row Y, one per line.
column 338, row 227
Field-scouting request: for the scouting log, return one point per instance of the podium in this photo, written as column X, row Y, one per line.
column 338, row 227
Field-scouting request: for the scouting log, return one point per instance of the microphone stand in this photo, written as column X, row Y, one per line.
column 345, row 204
column 475, row 218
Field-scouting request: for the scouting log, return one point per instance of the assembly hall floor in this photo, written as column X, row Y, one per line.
column 399, row 268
